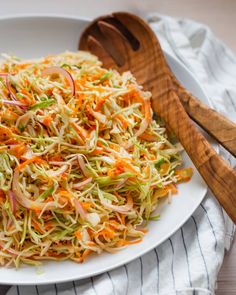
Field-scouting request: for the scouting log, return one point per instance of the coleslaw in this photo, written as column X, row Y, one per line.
column 83, row 164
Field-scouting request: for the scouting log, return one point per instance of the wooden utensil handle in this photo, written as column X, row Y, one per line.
column 219, row 176
column 219, row 127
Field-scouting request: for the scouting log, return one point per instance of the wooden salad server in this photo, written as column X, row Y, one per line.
column 124, row 42
column 218, row 126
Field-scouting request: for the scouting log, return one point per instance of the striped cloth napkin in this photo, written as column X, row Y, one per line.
column 189, row 261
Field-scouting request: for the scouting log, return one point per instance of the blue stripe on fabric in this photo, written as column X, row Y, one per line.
column 113, row 287
column 158, row 271
column 172, row 263
column 37, row 290
column 212, row 228
column 231, row 99
column 74, row 287
column 187, row 257
column 56, row 290
column 141, row 265
column 93, row 285
column 127, row 276
column 200, row 248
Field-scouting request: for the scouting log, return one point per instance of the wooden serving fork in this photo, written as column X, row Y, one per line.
column 125, row 42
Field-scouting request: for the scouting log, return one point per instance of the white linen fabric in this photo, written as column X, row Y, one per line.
column 189, row 261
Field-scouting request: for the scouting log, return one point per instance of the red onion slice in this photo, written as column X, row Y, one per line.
column 120, row 209
column 82, row 166
column 119, row 185
column 63, row 72
column 24, row 201
column 4, row 74
column 12, row 94
column 82, row 184
column 79, row 209
column 14, row 252
column 13, row 102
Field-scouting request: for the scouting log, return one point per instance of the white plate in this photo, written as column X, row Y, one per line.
column 35, row 36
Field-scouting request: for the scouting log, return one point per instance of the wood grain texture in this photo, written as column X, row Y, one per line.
column 125, row 42
column 218, row 126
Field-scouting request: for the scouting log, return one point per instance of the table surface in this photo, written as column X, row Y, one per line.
column 220, row 16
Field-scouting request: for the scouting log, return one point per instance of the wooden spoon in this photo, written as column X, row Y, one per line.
column 125, row 42
column 219, row 127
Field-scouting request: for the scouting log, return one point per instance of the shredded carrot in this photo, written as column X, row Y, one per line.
column 34, row 159
column 78, row 234
column 3, row 148
column 100, row 103
column 116, row 171
column 85, row 254
column 132, row 242
column 106, row 233
column 148, row 137
column 171, row 187
column 8, row 115
column 184, row 174
column 122, row 242
column 29, row 95
column 144, row 230
column 121, row 163
column 37, row 226
column 56, row 158
column 164, row 168
column 125, row 123
column 122, row 218
column 160, row 193
column 2, row 196
column 114, row 223
column 48, row 225
column 65, row 193
column 23, row 65
column 18, row 150
column 86, row 205
column 97, row 152
column 81, row 131
column 5, row 134
column 148, row 171
column 47, row 120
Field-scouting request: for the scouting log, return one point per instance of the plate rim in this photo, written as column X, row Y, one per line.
column 167, row 235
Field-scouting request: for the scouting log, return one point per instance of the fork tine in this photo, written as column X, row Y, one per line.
column 117, row 45
column 135, row 26
column 95, row 47
column 132, row 40
column 92, row 30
